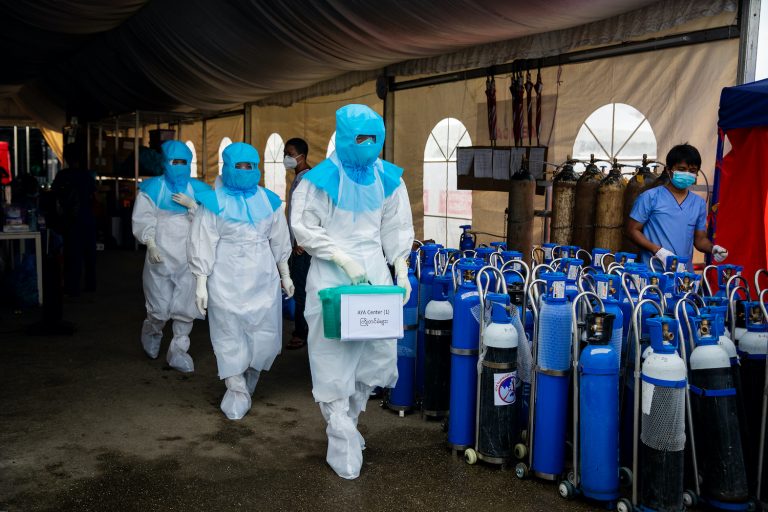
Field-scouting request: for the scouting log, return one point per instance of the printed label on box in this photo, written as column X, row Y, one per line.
column 371, row 317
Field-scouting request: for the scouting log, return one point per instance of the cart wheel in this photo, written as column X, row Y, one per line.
column 521, row 451
column 624, row 505
column 572, row 478
column 566, row 490
column 524, row 436
column 470, row 456
column 521, row 470
column 690, row 499
column 625, row 476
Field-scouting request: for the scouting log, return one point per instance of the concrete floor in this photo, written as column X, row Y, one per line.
column 89, row 423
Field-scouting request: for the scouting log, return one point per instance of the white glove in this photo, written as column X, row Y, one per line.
column 663, row 254
column 153, row 251
column 401, row 276
column 201, row 294
column 185, row 201
column 285, row 279
column 719, row 253
column 355, row 272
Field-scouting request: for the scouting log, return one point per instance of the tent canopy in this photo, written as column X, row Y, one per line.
column 744, row 106
column 123, row 55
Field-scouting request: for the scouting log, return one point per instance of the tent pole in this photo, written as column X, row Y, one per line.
column 26, row 148
column 749, row 23
column 205, row 149
column 247, row 128
column 389, row 121
column 15, row 151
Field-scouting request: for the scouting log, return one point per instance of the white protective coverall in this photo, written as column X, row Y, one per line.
column 237, row 242
column 352, row 207
column 162, row 215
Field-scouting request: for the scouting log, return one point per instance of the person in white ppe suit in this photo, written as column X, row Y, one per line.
column 162, row 216
column 351, row 213
column 238, row 250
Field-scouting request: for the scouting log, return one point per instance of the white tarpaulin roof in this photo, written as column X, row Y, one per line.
column 99, row 57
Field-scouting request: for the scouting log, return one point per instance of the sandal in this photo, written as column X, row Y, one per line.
column 296, row 343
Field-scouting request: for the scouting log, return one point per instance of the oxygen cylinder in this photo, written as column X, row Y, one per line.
column 571, row 268
column 609, row 223
column 426, row 276
column 464, row 354
column 520, row 209
column 568, row 251
column 402, row 395
column 753, row 348
column 622, row 258
column 599, row 409
column 467, row 240
column 549, row 252
column 598, row 254
column 716, row 419
column 498, row 411
column 605, row 288
column 563, row 204
column 643, row 179
column 438, row 325
column 498, row 246
column 677, row 264
column 724, row 273
column 662, row 423
column 586, row 202
column 552, row 370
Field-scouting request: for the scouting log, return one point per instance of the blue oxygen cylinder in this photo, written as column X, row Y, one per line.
column 724, row 273
column 597, row 257
column 599, row 410
column 569, row 251
column 571, row 267
column 467, row 240
column 550, row 251
column 484, row 253
column 662, row 420
column 465, row 340
column 622, row 258
column 605, row 288
column 552, row 370
column 426, row 277
column 677, row 264
column 438, row 319
column 499, row 246
column 401, row 397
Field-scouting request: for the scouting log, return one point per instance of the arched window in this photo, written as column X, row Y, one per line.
column 274, row 170
column 445, row 208
column 331, row 145
column 226, row 141
column 191, row 146
column 615, row 130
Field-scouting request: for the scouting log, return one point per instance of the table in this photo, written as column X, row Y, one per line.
column 30, row 235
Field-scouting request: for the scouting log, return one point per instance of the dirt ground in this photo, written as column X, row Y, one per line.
column 88, row 422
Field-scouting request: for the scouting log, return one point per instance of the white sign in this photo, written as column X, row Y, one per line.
column 504, row 388
column 371, row 317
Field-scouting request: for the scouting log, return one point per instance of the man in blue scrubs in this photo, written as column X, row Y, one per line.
column 669, row 220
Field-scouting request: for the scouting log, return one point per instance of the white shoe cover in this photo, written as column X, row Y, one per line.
column 152, row 336
column 177, row 356
column 237, row 401
column 345, row 454
column 251, row 379
column 357, row 404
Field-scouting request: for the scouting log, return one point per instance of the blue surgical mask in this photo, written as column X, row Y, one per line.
column 683, row 179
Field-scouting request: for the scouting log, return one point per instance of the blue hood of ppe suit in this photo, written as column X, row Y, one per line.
column 359, row 161
column 242, row 181
column 176, row 176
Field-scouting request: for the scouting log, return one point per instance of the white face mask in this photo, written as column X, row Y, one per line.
column 289, row 162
